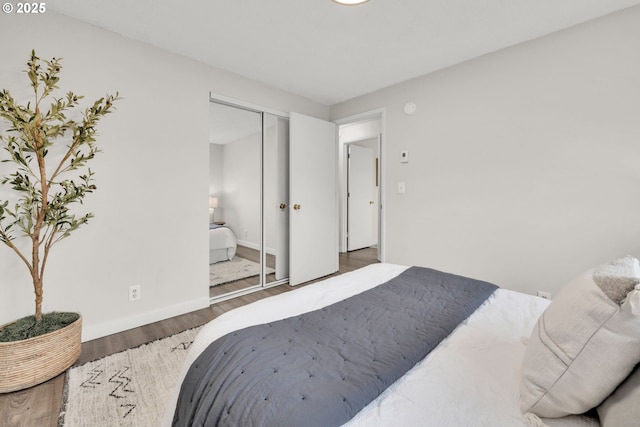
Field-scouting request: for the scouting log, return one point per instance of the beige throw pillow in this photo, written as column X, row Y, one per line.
column 622, row 408
column 585, row 343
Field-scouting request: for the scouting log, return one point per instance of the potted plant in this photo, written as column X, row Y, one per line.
column 44, row 172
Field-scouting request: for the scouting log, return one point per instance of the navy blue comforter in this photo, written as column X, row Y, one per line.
column 322, row 367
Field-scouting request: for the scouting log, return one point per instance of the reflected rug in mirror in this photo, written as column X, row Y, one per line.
column 127, row 389
column 236, row 269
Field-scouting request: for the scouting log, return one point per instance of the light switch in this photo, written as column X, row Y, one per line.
column 404, row 156
column 401, row 188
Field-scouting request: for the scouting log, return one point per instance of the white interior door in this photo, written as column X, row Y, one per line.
column 361, row 206
column 313, row 199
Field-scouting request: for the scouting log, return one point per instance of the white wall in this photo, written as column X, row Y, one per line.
column 234, row 177
column 241, row 193
column 152, row 199
column 524, row 164
column 216, row 179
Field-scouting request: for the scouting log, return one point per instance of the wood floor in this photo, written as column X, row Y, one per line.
column 40, row 406
column 238, row 285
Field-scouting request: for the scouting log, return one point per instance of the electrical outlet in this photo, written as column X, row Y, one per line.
column 545, row 295
column 135, row 293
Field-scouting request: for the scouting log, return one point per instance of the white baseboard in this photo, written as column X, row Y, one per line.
column 91, row 332
column 249, row 245
column 256, row 246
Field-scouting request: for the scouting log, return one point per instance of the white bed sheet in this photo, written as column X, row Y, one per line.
column 471, row 379
column 222, row 244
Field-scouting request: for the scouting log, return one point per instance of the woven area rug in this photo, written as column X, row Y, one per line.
column 127, row 389
column 236, row 269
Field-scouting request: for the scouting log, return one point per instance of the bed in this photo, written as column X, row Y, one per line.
column 473, row 377
column 222, row 243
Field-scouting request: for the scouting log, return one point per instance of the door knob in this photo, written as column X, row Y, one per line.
column 370, row 202
column 296, row 207
column 282, row 206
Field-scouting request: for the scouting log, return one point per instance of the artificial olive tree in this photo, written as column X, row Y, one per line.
column 48, row 145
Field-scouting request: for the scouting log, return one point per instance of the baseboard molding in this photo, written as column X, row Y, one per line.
column 249, row 245
column 91, row 332
column 255, row 246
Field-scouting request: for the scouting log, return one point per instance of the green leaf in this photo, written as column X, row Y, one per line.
column 50, row 152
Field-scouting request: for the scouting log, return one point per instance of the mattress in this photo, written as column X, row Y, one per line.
column 222, row 244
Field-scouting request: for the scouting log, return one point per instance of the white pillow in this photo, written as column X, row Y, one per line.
column 585, row 343
column 622, row 408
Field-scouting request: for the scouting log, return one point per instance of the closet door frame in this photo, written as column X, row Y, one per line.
column 230, row 102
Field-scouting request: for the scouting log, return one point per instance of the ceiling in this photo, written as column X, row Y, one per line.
column 331, row 53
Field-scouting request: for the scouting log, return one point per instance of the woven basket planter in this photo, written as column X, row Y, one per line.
column 29, row 362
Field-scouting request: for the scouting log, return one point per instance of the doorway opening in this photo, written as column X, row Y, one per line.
column 361, row 170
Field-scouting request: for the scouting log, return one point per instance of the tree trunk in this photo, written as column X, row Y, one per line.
column 37, row 228
column 37, row 289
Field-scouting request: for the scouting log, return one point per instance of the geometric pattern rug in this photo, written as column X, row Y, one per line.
column 236, row 269
column 126, row 389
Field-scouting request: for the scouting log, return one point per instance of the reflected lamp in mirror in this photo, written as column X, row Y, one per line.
column 213, row 204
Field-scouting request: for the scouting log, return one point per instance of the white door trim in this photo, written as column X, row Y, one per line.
column 222, row 99
column 377, row 113
column 235, row 103
column 361, row 196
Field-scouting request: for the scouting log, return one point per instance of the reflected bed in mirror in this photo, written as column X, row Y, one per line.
column 222, row 243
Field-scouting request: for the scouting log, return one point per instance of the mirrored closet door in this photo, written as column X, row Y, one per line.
column 248, row 200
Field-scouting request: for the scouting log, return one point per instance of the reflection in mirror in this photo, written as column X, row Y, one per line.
column 248, row 200
column 276, row 197
column 235, row 232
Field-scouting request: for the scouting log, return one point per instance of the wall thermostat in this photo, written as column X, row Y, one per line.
column 404, row 156
column 409, row 108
